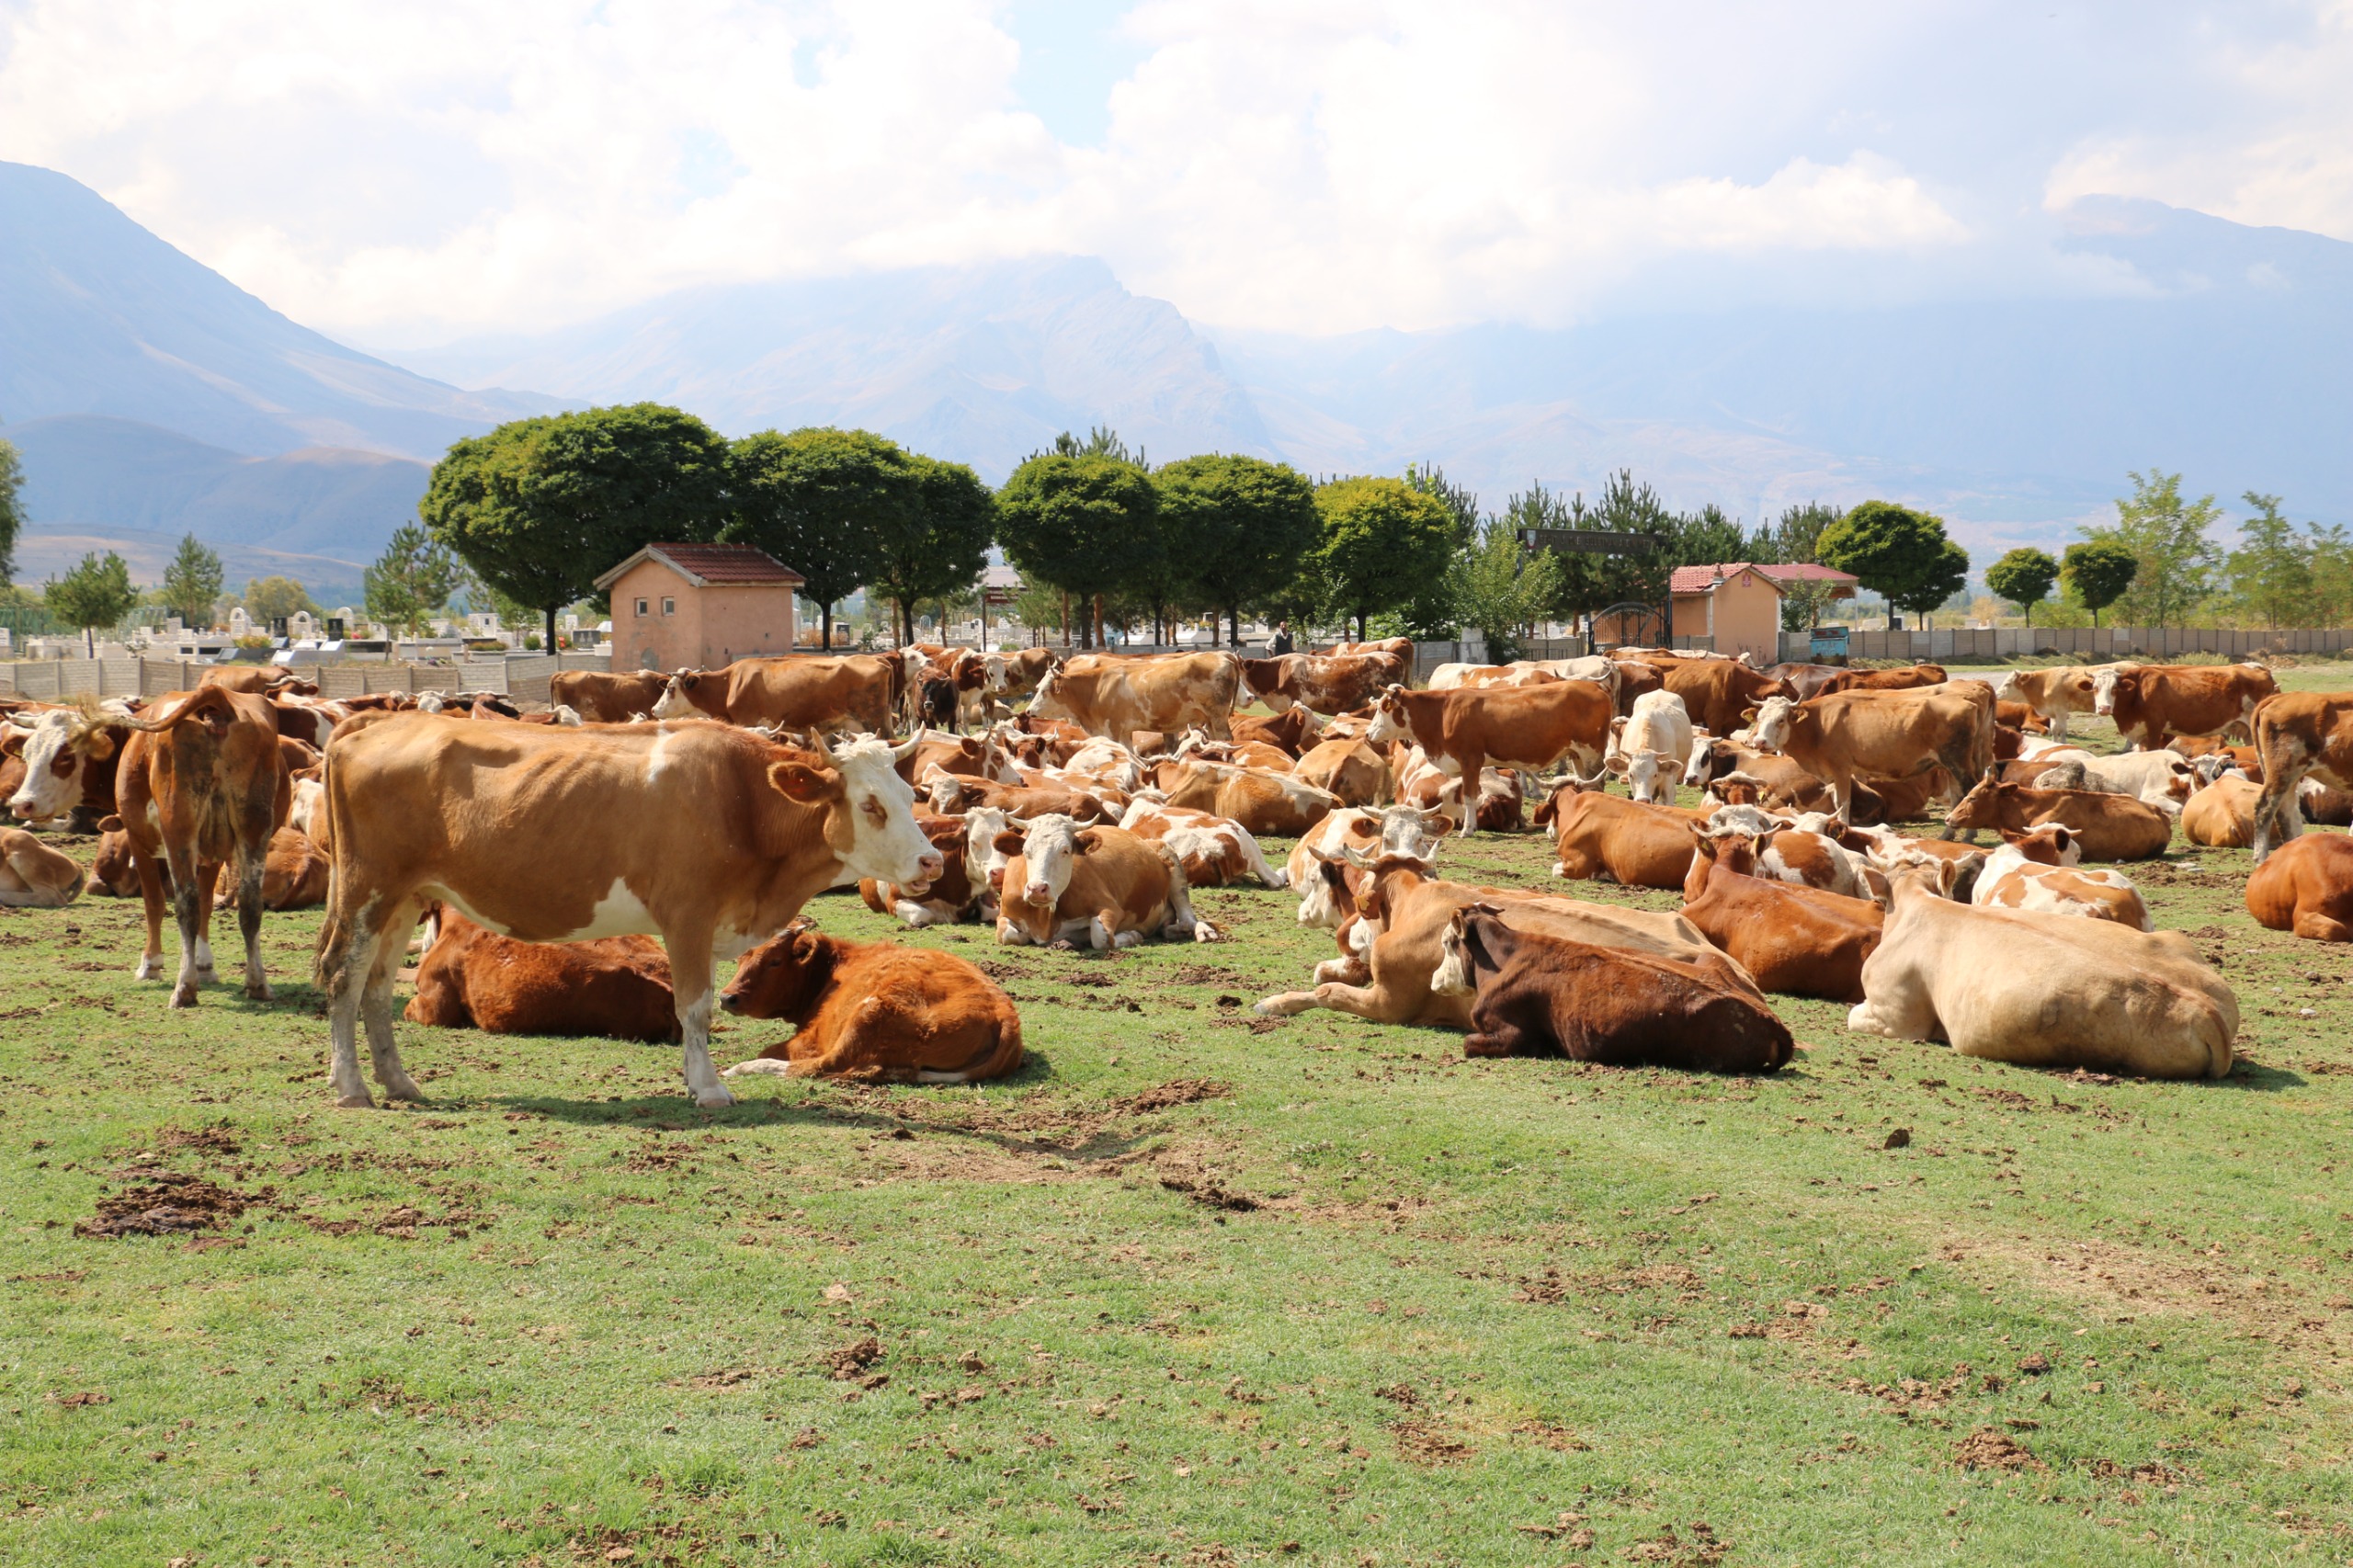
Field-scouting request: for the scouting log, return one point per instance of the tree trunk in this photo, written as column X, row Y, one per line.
column 549, row 645
column 825, row 626
column 1066, row 618
column 1360, row 626
column 1099, row 643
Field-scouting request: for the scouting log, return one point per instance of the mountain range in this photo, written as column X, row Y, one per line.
column 150, row 397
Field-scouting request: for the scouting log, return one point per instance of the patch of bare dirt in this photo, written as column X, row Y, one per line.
column 1212, row 1194
column 849, row 1363
column 218, row 1139
column 168, row 1205
column 1990, row 1448
column 1182, row 1091
column 1424, row 1443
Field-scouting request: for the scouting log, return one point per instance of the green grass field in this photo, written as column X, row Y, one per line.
column 1194, row 1288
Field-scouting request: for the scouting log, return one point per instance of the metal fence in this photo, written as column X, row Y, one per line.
column 2089, row 644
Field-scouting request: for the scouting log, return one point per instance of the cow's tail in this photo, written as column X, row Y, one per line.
column 332, row 937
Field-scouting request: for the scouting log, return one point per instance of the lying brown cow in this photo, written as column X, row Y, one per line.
column 1294, row 730
column 1797, row 940
column 1106, row 885
column 294, row 875
column 946, row 898
column 34, row 876
column 1278, row 804
column 874, row 1012
column 1213, row 851
column 608, row 698
column 2108, row 827
column 1351, row 771
column 954, row 795
column 615, row 987
column 2152, row 702
column 1540, row 995
column 1412, row 978
column 2222, row 815
column 2306, row 887
column 1635, row 844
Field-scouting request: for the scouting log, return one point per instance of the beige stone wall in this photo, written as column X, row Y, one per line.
column 705, row 626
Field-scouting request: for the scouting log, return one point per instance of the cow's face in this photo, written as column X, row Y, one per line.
column 1645, row 772
column 2104, row 689
column 983, row 825
column 61, row 745
column 1982, row 807
column 872, row 829
column 1413, row 833
column 780, row 978
column 1049, row 853
column 1388, row 718
column 1049, row 703
column 1771, row 731
column 673, row 703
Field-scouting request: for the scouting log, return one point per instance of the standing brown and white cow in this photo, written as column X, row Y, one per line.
column 1331, row 684
column 1116, row 696
column 2298, row 732
column 1882, row 734
column 2151, row 703
column 810, row 692
column 2053, row 693
column 608, row 698
column 1528, row 727
column 202, row 785
column 1716, row 692
column 711, row 837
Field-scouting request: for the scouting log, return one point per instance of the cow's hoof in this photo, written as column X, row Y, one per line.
column 402, row 1087
column 714, row 1098
column 1204, row 932
column 146, row 969
column 258, row 990
column 184, row 994
column 359, row 1101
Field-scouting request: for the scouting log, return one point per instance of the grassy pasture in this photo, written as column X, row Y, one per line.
column 1194, row 1288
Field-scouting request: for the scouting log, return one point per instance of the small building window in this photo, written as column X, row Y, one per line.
column 640, row 607
column 669, row 606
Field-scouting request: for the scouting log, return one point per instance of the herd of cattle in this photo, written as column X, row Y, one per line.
column 1087, row 815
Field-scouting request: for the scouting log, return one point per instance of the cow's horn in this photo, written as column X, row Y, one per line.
column 901, row 752
column 817, row 743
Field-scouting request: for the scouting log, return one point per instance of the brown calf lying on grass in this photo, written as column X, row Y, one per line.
column 1539, row 994
column 1796, row 940
column 2306, row 887
column 617, row 988
column 874, row 1011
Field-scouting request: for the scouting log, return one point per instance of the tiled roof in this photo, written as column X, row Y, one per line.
column 1703, row 579
column 713, row 565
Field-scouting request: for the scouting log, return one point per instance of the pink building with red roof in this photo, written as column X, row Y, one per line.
column 1737, row 605
column 699, row 606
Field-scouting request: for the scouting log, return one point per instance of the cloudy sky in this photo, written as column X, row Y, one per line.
column 401, row 173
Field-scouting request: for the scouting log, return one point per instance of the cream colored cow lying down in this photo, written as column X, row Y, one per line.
column 2042, row 989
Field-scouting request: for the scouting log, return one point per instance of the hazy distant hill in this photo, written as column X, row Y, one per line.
column 2229, row 363
column 983, row 365
column 99, row 316
column 152, row 396
column 85, row 476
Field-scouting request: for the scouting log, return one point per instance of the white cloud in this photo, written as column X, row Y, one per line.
column 396, row 173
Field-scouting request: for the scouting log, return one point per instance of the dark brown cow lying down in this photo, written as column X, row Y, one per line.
column 874, row 1011
column 1542, row 995
column 615, row 986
